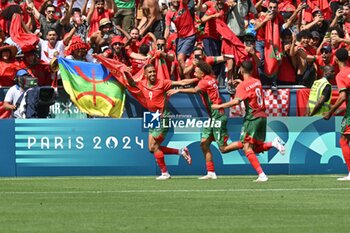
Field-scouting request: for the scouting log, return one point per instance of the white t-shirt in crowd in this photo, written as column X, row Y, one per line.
column 48, row 53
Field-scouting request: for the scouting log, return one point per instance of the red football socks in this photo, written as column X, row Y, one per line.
column 254, row 161
column 210, row 166
column 160, row 160
column 344, row 145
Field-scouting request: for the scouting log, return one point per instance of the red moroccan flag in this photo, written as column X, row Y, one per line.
column 118, row 70
column 26, row 41
column 231, row 45
column 273, row 47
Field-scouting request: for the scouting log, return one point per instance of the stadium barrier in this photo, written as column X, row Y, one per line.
column 69, row 147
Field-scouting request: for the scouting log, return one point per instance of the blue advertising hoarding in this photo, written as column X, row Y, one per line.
column 65, row 147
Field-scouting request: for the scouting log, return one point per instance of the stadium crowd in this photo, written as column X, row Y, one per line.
column 288, row 41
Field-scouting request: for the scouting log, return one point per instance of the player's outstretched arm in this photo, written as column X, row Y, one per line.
column 193, row 90
column 184, row 82
column 338, row 103
column 226, row 105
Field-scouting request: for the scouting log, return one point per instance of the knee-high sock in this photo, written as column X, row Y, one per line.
column 169, row 151
column 160, row 160
column 254, row 161
column 345, row 148
column 263, row 147
column 210, row 166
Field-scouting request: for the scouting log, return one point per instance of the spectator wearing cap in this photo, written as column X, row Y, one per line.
column 315, row 40
column 48, row 21
column 318, row 23
column 11, row 101
column 325, row 58
column 98, row 11
column 8, row 64
column 101, row 39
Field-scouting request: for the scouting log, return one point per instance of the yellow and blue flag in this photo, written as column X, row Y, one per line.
column 92, row 88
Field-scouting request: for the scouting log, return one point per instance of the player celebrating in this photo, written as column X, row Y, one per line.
column 153, row 90
column 343, row 83
column 254, row 127
column 207, row 87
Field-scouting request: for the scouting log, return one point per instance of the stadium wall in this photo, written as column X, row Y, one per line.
column 94, row 147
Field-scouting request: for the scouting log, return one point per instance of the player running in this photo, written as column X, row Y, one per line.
column 254, row 127
column 343, row 83
column 207, row 87
column 153, row 90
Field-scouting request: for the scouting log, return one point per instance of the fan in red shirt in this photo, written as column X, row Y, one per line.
column 98, row 12
column 8, row 65
column 180, row 15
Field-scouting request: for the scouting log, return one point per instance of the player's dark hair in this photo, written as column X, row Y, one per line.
column 144, row 49
column 147, row 66
column 304, row 34
column 247, row 66
column 75, row 9
column 50, row 5
column 342, row 55
column 205, row 67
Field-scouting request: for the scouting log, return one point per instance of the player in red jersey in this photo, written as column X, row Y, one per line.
column 153, row 90
column 253, row 132
column 343, row 83
column 207, row 87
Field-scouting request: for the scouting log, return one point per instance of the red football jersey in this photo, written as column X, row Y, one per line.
column 156, row 95
column 210, row 94
column 182, row 19
column 250, row 91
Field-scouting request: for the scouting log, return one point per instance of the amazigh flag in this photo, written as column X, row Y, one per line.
column 231, row 45
column 118, row 69
column 92, row 88
column 273, row 47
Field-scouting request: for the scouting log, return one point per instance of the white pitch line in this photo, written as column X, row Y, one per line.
column 177, row 191
column 145, row 177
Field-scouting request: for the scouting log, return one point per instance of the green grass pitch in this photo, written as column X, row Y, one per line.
column 182, row 204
